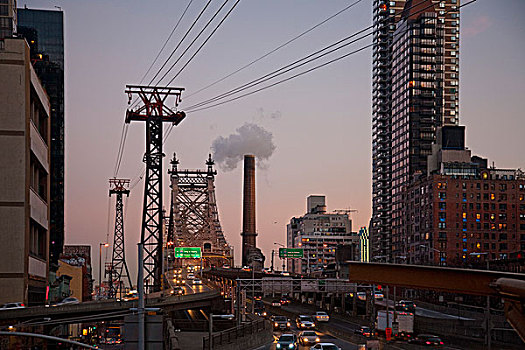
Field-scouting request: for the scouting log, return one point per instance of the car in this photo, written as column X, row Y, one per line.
column 12, row 306
column 305, row 322
column 287, row 341
column 308, row 337
column 131, row 295
column 177, row 291
column 260, row 312
column 427, row 340
column 276, row 303
column 190, row 276
column 365, row 331
column 406, row 305
column 361, row 296
column 321, row 316
column 246, row 268
column 257, row 297
column 225, row 266
column 325, row 346
column 197, row 281
column 280, row 322
column 379, row 296
column 68, row 300
column 179, row 281
column 285, row 301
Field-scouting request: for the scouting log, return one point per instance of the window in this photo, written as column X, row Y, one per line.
column 37, row 240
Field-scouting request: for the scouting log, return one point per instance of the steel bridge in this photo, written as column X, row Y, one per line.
column 194, row 217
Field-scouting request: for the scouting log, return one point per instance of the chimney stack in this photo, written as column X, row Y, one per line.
column 248, row 209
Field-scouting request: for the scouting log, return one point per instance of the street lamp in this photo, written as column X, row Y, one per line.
column 280, row 245
column 436, row 250
column 100, row 266
column 253, row 282
column 488, row 337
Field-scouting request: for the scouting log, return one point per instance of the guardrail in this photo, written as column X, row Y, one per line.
column 230, row 335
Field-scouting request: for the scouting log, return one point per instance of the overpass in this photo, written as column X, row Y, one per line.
column 508, row 286
column 108, row 309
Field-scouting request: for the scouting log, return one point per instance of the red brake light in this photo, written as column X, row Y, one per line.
column 441, row 342
column 22, row 304
column 428, row 342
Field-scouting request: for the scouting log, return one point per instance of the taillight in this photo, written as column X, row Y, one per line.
column 441, row 342
column 22, row 304
column 428, row 343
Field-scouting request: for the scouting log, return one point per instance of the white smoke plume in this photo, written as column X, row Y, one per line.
column 248, row 139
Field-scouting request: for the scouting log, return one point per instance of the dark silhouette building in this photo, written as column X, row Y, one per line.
column 44, row 32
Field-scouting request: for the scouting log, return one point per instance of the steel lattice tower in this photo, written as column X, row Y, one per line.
column 118, row 187
column 154, row 112
column 195, row 215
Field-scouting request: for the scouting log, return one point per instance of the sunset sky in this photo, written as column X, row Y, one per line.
column 320, row 123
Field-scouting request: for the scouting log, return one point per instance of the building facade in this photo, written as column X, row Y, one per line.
column 44, row 31
column 464, row 213
column 423, row 37
column 7, row 18
column 364, row 243
column 319, row 234
column 80, row 256
column 25, row 177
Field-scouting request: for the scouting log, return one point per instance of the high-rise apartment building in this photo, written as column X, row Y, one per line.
column 24, row 177
column 44, row 31
column 415, row 79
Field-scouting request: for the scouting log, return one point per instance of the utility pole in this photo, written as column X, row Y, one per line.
column 140, row 287
column 118, row 187
column 154, row 113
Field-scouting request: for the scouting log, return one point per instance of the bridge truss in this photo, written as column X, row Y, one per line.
column 194, row 217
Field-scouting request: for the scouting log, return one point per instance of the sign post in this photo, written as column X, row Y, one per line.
column 188, row 252
column 293, row 253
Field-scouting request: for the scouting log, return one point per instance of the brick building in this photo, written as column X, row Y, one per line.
column 464, row 213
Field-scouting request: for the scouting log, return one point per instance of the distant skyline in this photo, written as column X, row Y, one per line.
column 320, row 122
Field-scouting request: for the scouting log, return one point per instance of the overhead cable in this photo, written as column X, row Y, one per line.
column 275, row 49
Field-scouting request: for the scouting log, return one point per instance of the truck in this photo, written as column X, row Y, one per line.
column 402, row 328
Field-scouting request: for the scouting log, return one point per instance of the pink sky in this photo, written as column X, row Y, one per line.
column 323, row 132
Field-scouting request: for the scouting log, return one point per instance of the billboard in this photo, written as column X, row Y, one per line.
column 188, row 252
column 294, row 253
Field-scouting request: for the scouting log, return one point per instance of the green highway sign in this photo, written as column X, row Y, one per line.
column 294, row 253
column 188, row 252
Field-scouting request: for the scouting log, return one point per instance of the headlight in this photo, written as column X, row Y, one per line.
column 276, row 324
column 302, row 325
column 318, row 339
column 291, row 346
column 288, row 324
column 278, row 346
column 264, row 313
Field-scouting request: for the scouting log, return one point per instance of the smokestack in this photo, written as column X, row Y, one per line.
column 248, row 208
